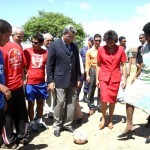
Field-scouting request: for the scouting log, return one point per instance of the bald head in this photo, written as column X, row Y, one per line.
column 17, row 34
column 48, row 38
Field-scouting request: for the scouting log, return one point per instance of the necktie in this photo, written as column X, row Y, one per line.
column 142, row 49
column 68, row 47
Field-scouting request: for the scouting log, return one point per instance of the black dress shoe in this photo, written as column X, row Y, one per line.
column 24, row 141
column 79, row 120
column 84, row 100
column 99, row 109
column 57, row 133
column 147, row 140
column 70, row 129
column 127, row 134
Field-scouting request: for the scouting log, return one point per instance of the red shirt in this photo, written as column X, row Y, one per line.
column 14, row 62
column 36, row 61
column 110, row 63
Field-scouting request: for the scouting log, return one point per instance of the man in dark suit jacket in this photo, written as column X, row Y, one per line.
column 140, row 50
column 63, row 76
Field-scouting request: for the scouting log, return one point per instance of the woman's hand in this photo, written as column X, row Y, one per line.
column 133, row 80
column 123, row 84
column 97, row 84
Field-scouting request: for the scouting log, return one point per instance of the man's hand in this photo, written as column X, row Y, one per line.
column 51, row 86
column 78, row 84
column 6, row 91
column 8, row 94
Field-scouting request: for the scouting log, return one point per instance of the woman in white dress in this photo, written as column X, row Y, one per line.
column 138, row 95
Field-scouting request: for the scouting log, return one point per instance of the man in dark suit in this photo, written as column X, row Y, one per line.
column 140, row 50
column 63, row 76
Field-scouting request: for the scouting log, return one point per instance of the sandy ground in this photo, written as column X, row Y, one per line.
column 105, row 139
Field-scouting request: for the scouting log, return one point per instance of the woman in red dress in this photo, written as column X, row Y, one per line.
column 109, row 75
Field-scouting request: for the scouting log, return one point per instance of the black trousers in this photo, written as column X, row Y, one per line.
column 2, row 119
column 16, row 116
column 92, row 88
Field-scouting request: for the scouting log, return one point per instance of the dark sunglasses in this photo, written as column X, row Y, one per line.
column 140, row 38
column 35, row 42
column 97, row 40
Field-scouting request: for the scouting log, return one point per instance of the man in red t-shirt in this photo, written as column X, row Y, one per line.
column 16, row 113
column 36, row 88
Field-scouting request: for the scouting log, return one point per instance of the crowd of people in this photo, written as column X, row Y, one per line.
column 52, row 73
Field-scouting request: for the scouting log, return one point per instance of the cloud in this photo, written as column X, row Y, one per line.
column 143, row 10
column 84, row 6
column 130, row 28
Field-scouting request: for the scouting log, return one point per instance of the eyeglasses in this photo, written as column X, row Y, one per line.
column 97, row 41
column 35, row 42
column 140, row 38
column 49, row 40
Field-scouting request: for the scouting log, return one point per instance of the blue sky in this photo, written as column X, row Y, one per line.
column 97, row 16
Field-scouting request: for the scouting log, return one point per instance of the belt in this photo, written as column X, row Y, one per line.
column 93, row 67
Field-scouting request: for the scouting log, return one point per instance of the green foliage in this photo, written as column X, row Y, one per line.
column 54, row 24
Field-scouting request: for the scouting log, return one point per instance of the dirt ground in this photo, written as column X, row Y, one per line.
column 105, row 139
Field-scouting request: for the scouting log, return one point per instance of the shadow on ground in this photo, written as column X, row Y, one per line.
column 33, row 147
column 140, row 130
column 84, row 120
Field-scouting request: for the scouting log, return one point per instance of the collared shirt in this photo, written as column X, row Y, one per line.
column 83, row 53
column 143, row 47
column 44, row 47
column 66, row 44
column 91, row 58
column 81, row 65
column 140, row 51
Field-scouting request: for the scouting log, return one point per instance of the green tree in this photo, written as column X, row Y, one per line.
column 53, row 23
